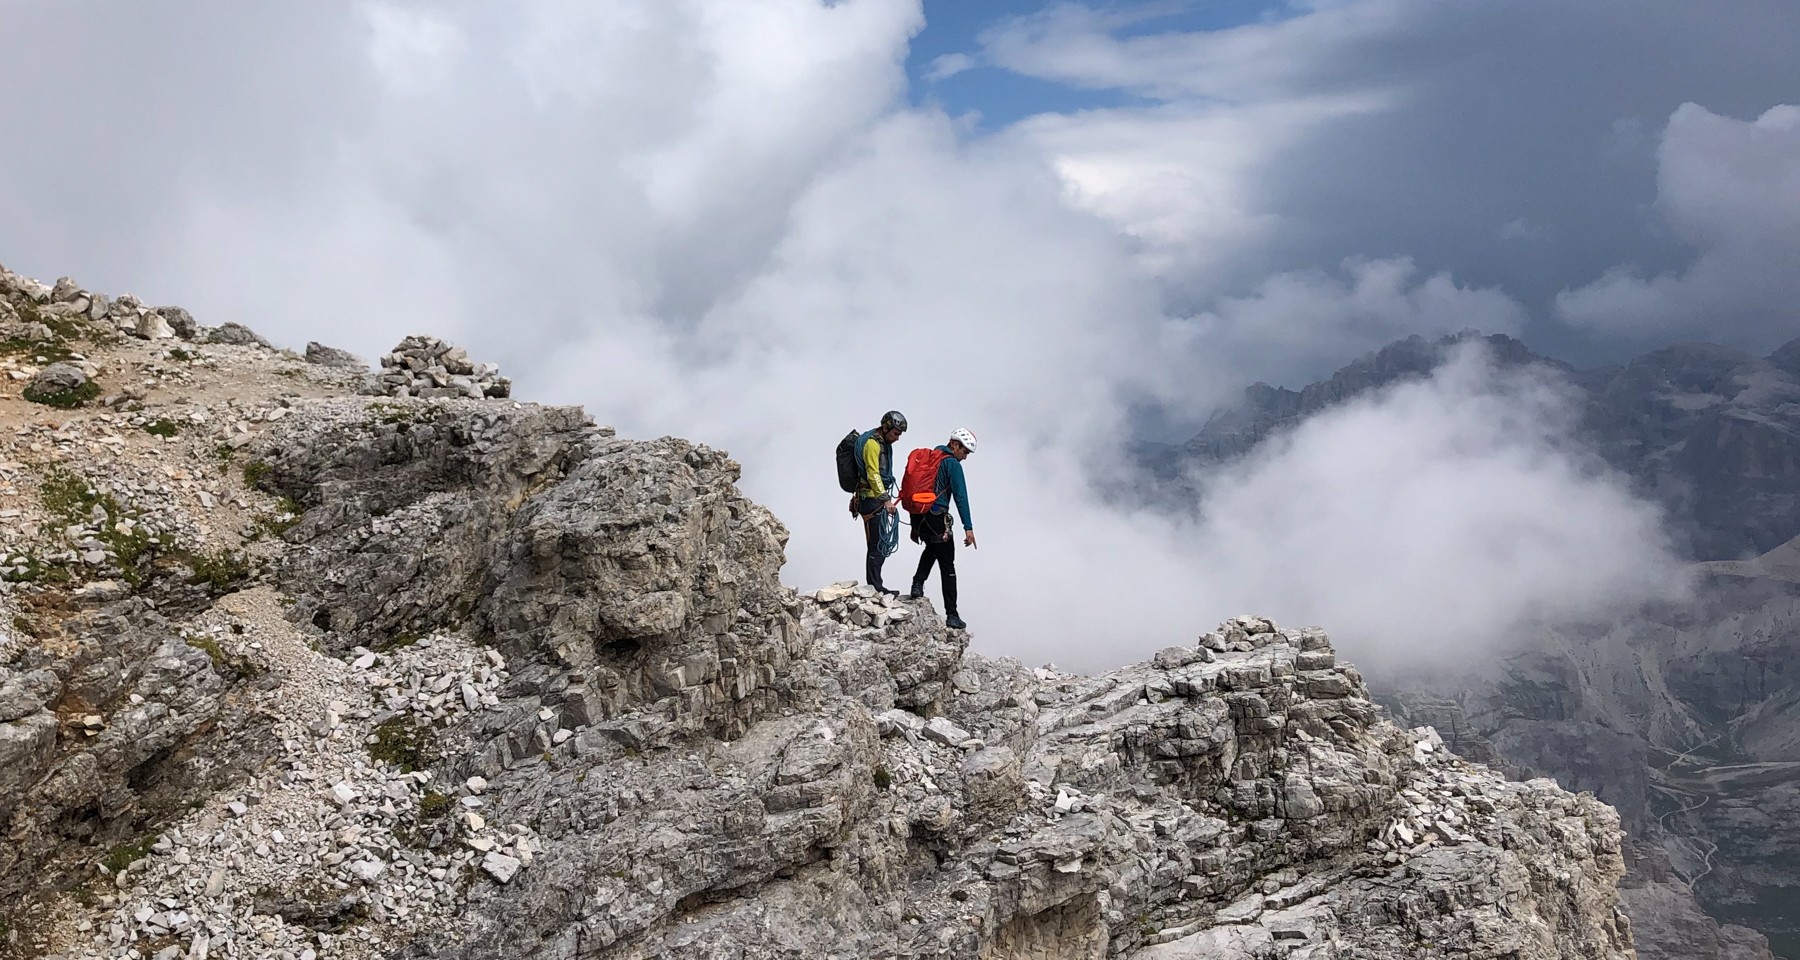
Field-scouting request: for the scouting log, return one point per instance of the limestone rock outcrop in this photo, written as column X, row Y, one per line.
column 300, row 673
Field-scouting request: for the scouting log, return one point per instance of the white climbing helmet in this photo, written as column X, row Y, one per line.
column 964, row 437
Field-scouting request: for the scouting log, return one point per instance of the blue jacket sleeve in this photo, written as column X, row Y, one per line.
column 959, row 490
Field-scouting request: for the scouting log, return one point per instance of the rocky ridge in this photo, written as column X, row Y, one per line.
column 291, row 672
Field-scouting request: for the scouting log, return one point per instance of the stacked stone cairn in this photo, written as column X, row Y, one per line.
column 428, row 367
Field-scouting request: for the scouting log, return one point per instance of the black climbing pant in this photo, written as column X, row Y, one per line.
column 870, row 509
column 937, row 533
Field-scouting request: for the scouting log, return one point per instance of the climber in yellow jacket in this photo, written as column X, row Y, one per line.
column 878, row 490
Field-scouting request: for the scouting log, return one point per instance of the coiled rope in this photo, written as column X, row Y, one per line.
column 887, row 532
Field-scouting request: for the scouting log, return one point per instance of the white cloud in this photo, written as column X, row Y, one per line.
column 1434, row 520
column 1521, row 228
column 1731, row 190
column 1295, row 323
column 1180, row 180
column 949, row 65
column 1256, row 62
column 412, row 48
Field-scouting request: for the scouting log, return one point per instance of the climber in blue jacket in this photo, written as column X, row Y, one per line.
column 934, row 527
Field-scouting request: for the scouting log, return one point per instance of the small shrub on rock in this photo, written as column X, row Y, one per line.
column 219, row 569
column 61, row 385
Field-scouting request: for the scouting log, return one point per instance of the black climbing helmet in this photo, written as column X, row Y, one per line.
column 893, row 420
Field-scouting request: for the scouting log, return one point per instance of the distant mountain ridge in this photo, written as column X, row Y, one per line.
column 1710, row 433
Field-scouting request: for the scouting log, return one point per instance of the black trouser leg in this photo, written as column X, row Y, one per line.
column 873, row 561
column 946, row 561
column 925, row 561
column 940, row 548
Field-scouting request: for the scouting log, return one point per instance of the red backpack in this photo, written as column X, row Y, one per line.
column 918, row 487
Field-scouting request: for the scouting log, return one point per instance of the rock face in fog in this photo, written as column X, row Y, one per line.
column 1709, row 433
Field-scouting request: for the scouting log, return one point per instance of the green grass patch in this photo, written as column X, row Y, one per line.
column 434, row 805
column 398, row 743
column 126, row 854
column 287, row 513
column 68, row 496
column 220, row 569
column 132, row 548
column 224, row 664
column 397, row 641
column 393, row 412
column 883, row 779
column 256, row 471
column 50, row 350
column 162, row 428
column 36, row 571
column 72, row 500
column 64, row 399
column 68, row 328
column 208, row 646
column 224, row 452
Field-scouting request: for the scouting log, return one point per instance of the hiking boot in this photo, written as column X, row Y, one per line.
column 955, row 622
column 917, row 592
column 885, row 591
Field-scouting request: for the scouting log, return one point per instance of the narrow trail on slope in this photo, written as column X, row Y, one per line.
column 1694, row 844
column 1709, row 741
column 1707, row 849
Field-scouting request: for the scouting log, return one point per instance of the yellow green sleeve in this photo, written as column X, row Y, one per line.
column 872, row 485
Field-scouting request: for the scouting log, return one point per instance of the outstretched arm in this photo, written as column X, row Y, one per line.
column 959, row 491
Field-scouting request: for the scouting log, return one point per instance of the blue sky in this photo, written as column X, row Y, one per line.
column 1000, row 97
